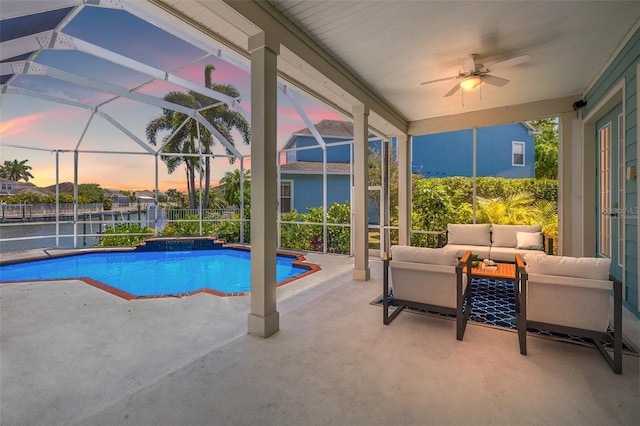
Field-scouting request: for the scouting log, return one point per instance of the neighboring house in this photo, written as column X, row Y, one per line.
column 301, row 176
column 119, row 200
column 7, row 187
column 301, row 184
column 502, row 151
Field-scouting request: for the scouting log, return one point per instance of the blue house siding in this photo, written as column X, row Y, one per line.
column 307, row 190
column 624, row 66
column 451, row 153
column 443, row 154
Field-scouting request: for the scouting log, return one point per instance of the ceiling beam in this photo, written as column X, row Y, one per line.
column 493, row 117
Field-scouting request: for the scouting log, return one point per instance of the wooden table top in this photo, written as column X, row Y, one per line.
column 504, row 271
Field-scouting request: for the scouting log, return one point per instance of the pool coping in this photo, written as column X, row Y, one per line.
column 300, row 261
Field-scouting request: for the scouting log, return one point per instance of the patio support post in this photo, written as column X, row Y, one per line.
column 75, row 199
column 57, row 199
column 360, row 192
column 263, row 318
column 567, row 123
column 404, row 189
column 241, row 200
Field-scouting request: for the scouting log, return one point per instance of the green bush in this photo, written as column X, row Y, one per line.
column 110, row 240
column 190, row 227
column 307, row 236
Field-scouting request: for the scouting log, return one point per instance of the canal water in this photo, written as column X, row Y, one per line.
column 42, row 235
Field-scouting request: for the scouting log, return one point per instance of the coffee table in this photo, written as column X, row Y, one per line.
column 505, row 271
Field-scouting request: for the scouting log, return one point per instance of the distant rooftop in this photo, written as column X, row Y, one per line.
column 330, row 128
column 314, row 166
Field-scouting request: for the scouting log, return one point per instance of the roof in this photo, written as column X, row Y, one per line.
column 330, row 128
column 315, row 167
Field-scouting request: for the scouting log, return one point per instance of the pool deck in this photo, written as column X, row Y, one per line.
column 73, row 354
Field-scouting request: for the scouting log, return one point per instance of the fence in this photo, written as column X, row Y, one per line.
column 28, row 211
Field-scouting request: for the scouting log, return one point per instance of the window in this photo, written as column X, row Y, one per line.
column 517, row 153
column 285, row 196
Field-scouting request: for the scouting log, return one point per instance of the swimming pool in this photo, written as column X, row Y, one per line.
column 156, row 273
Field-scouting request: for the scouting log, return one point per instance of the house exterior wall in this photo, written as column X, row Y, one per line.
column 307, row 190
column 625, row 67
column 451, row 153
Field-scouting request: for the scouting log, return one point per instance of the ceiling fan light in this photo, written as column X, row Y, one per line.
column 471, row 83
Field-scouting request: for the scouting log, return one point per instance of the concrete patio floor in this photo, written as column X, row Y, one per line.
column 73, row 354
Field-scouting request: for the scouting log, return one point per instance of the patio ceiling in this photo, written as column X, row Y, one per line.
column 378, row 52
column 390, row 47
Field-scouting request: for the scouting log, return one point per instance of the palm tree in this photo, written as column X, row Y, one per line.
column 230, row 183
column 510, row 210
column 184, row 142
column 16, row 170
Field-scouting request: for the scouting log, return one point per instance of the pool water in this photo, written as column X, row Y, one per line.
column 154, row 273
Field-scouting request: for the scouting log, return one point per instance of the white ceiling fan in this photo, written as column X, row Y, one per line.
column 472, row 74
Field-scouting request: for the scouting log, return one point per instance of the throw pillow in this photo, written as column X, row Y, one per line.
column 529, row 240
column 505, row 235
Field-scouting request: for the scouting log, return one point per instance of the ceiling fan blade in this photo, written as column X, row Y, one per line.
column 509, row 62
column 495, row 81
column 468, row 64
column 453, row 90
column 437, row 80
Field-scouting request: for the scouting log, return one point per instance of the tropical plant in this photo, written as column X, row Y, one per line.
column 230, row 184
column 174, row 196
column 16, row 170
column 190, row 227
column 514, row 209
column 546, row 148
column 187, row 137
column 135, row 234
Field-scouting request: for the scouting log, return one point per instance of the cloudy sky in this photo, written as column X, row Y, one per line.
column 46, row 125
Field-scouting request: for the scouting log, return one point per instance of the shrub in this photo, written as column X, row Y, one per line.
column 110, row 240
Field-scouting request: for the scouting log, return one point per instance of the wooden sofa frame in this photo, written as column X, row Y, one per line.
column 462, row 316
column 614, row 362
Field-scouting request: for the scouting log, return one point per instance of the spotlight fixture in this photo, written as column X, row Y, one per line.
column 471, row 82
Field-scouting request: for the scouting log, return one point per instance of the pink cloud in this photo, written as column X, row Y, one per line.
column 22, row 124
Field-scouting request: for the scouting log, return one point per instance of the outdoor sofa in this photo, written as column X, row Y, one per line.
column 432, row 279
column 496, row 242
column 569, row 295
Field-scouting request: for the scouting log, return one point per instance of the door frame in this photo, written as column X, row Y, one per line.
column 590, row 148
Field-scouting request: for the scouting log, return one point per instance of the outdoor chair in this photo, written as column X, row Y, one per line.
column 571, row 296
column 429, row 279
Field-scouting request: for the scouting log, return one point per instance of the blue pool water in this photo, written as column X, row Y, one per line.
column 154, row 273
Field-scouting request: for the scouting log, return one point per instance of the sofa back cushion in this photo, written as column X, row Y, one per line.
column 468, row 234
column 505, row 235
column 565, row 266
column 433, row 256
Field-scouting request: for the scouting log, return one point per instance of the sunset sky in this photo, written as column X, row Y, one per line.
column 47, row 126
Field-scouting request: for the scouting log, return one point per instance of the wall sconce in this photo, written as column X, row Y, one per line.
column 471, row 83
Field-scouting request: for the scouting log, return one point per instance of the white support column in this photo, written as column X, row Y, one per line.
column 474, row 199
column 566, row 184
column 263, row 318
column 241, row 200
column 404, row 189
column 360, row 192
column 75, row 198
column 57, row 199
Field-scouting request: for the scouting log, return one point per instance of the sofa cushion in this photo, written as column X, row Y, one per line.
column 434, row 256
column 529, row 240
column 505, row 235
column 469, row 234
column 482, row 252
column 565, row 266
